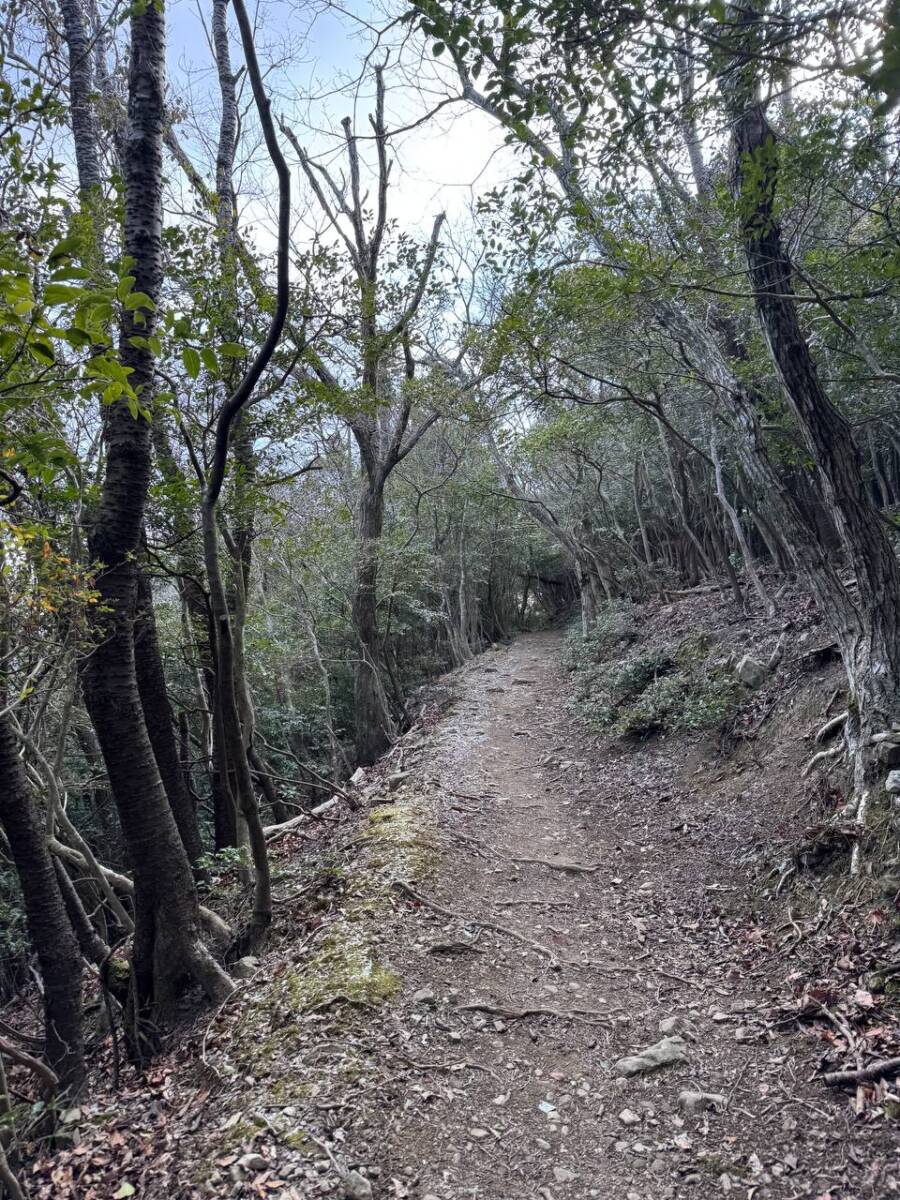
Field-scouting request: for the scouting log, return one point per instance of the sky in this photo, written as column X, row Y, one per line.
column 315, row 56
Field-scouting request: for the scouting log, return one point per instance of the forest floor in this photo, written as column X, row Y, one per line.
column 517, row 905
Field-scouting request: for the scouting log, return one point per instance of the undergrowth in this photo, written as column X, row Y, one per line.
column 666, row 688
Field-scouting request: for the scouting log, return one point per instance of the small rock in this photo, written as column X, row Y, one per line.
column 426, row 997
column 662, row 1053
column 479, row 1134
column 892, row 783
column 358, row 776
column 696, row 1102
column 750, row 671
column 251, row 1163
column 396, row 779
column 245, row 967
column 564, row 1175
column 629, row 1117
column 356, row 1186
column 675, row 1025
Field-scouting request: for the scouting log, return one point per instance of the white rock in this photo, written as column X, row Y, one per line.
column 695, row 1102
column 251, row 1163
column 629, row 1117
column 667, row 1050
column 893, row 782
column 356, row 1186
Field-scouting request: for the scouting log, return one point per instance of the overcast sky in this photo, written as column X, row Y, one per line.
column 316, row 77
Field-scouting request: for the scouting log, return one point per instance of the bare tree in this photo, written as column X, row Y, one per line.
column 381, row 425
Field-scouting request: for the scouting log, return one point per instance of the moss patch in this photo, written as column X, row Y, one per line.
column 345, row 965
column 401, row 839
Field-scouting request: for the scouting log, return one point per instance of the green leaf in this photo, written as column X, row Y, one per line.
column 231, row 350
column 69, row 247
column 139, row 300
column 438, row 49
column 126, row 283
column 42, row 352
column 191, row 360
column 61, row 293
column 126, row 1190
column 209, row 360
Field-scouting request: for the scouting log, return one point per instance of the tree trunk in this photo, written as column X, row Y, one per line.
column 868, row 627
column 227, row 704
column 81, row 97
column 168, row 950
column 48, row 923
column 160, row 720
column 374, row 728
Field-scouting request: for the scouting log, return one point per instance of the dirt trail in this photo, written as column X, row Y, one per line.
column 530, row 1105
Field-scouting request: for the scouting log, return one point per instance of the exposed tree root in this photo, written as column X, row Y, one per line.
column 831, row 726
column 887, row 1066
column 587, row 1016
column 822, row 755
column 571, row 867
column 554, row 958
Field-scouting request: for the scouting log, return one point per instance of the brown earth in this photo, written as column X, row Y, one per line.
column 518, row 905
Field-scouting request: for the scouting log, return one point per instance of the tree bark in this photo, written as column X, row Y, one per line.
column 48, row 923
column 167, row 950
column 374, row 728
column 867, row 627
column 81, row 99
column 160, row 719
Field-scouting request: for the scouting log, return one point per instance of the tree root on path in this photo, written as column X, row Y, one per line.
column 555, row 960
column 451, row 1067
column 587, row 1016
column 888, row 1066
column 573, row 867
column 822, row 756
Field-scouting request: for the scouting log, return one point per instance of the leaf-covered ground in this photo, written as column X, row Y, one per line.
column 518, row 904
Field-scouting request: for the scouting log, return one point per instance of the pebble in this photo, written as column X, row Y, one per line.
column 425, row 996
column 629, row 1117
column 564, row 1175
column 356, row 1186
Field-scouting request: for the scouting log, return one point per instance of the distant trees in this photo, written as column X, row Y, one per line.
column 595, row 95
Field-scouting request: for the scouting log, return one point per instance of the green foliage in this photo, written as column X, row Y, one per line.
column 667, row 688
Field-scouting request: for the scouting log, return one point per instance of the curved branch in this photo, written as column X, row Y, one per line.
column 244, row 389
